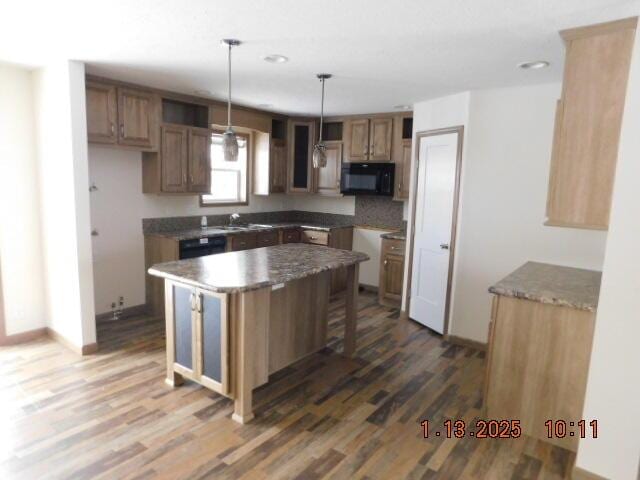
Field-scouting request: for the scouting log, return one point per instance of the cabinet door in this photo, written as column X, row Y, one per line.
column 174, row 159
column 243, row 241
column 267, row 239
column 357, row 140
column 291, row 235
column 102, row 112
column 328, row 182
column 403, row 171
column 212, row 340
column 391, row 274
column 301, row 150
column 380, row 132
column 184, row 320
column 278, row 167
column 588, row 122
column 138, row 118
column 199, row 164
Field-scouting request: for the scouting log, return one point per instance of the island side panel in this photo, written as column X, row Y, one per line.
column 249, row 348
column 351, row 310
column 298, row 320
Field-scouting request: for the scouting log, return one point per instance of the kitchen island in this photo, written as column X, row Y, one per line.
column 233, row 319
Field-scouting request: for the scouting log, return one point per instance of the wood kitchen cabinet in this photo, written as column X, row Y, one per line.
column 300, row 169
column 193, row 315
column 242, row 241
column 587, row 124
column 183, row 164
column 340, row 237
column 122, row 116
column 328, row 178
column 368, row 139
column 402, row 147
column 278, row 167
column 391, row 272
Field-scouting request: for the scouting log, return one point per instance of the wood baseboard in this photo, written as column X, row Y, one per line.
column 88, row 349
column 22, row 337
column 465, row 342
column 581, row 474
column 368, row 288
column 134, row 311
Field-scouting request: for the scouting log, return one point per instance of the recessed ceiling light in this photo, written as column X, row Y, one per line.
column 275, row 58
column 265, row 105
column 534, row 65
column 402, row 107
column 203, row 92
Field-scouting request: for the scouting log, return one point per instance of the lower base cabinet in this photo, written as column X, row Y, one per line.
column 391, row 272
column 537, row 366
column 198, row 314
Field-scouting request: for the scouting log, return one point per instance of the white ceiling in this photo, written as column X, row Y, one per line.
column 381, row 52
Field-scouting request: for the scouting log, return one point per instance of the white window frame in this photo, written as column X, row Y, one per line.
column 209, row 202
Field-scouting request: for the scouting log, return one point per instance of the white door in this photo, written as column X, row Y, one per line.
column 435, row 201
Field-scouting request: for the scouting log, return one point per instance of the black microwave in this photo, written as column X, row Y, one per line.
column 367, row 179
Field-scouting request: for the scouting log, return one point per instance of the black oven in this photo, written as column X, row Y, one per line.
column 367, row 179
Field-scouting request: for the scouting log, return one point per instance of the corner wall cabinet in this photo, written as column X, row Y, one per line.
column 402, row 145
column 368, row 139
column 300, row 171
column 122, row 116
column 587, row 125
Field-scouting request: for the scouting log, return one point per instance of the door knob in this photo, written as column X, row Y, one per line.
column 444, row 246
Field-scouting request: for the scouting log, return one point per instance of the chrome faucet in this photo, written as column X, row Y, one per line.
column 233, row 217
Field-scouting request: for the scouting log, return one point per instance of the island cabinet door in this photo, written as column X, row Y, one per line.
column 183, row 329
column 212, row 341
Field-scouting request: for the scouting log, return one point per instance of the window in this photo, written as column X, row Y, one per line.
column 229, row 183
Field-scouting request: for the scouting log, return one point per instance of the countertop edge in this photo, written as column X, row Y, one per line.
column 255, row 286
column 537, row 298
column 224, row 233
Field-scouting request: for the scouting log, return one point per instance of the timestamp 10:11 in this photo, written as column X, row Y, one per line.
column 562, row 428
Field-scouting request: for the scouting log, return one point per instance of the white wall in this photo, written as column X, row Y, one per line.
column 62, row 165
column 613, row 390
column 368, row 241
column 505, row 170
column 20, row 246
column 117, row 210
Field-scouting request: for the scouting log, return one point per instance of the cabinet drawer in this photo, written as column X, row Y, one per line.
column 395, row 247
column 291, row 235
column 317, row 238
column 243, row 241
column 267, row 239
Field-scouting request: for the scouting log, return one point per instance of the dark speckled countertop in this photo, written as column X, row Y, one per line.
column 212, row 231
column 257, row 268
column 554, row 284
column 399, row 235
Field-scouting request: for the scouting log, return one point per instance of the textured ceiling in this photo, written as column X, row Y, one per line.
column 382, row 53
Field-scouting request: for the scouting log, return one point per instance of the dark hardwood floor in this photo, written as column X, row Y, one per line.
column 111, row 416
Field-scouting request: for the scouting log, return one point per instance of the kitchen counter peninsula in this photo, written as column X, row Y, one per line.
column 233, row 319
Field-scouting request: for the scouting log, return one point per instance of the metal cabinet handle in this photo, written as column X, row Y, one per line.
column 191, row 178
column 113, row 129
column 444, row 246
column 122, row 129
column 184, row 178
column 193, row 301
column 313, row 238
column 386, row 262
column 199, row 304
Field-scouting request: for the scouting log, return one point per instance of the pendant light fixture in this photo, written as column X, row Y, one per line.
column 229, row 139
column 319, row 150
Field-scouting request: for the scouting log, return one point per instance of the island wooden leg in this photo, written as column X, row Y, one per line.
column 250, row 317
column 173, row 379
column 351, row 310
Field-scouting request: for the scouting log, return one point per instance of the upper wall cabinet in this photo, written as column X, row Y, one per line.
column 300, row 169
column 183, row 164
column 368, row 139
column 328, row 178
column 402, row 134
column 122, row 116
column 270, row 159
column 588, row 121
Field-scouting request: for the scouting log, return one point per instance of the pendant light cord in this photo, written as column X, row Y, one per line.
column 321, row 110
column 229, row 89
